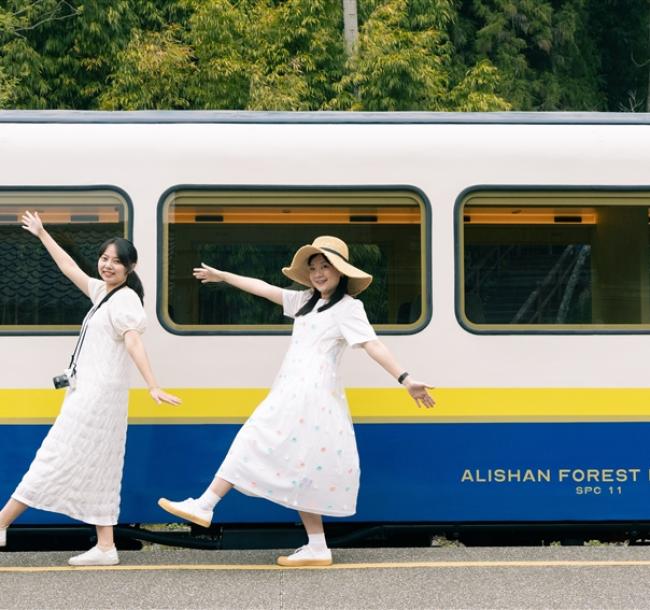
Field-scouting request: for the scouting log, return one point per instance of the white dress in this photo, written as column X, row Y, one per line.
column 298, row 447
column 78, row 469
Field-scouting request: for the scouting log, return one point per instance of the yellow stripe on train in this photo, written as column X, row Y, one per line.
column 368, row 405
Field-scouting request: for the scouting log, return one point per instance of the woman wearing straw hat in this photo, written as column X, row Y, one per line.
column 298, row 448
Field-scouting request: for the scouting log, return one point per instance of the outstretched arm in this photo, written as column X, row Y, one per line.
column 248, row 284
column 33, row 224
column 382, row 355
column 138, row 354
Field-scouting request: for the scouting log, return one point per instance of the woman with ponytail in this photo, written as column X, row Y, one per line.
column 78, row 469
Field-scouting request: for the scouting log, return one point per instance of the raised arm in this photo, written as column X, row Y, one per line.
column 382, row 355
column 32, row 223
column 248, row 284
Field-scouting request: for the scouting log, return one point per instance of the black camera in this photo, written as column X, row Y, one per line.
column 68, row 379
column 61, row 381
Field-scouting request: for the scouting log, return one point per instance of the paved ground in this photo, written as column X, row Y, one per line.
column 551, row 577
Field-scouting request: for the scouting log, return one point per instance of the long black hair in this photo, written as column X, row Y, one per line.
column 128, row 256
column 339, row 292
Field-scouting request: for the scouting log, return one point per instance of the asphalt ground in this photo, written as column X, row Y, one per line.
column 447, row 577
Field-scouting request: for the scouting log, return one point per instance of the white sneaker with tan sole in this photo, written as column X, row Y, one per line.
column 96, row 557
column 188, row 510
column 306, row 556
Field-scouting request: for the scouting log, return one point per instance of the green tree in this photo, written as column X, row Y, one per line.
column 477, row 91
column 266, row 55
column 79, row 59
column 624, row 44
column 302, row 56
column 234, row 55
column 400, row 59
column 60, row 53
column 543, row 50
column 469, row 55
column 154, row 71
column 21, row 66
column 405, row 61
column 7, row 86
column 25, row 86
column 219, row 34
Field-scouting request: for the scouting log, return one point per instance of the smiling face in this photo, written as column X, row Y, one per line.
column 110, row 268
column 323, row 276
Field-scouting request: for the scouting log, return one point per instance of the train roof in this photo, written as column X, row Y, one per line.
column 317, row 118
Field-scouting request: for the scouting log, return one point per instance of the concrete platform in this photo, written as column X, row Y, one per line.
column 449, row 577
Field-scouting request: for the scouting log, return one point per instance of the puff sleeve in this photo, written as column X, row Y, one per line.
column 96, row 290
column 293, row 300
column 126, row 312
column 353, row 323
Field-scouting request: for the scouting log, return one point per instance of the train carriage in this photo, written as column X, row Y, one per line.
column 511, row 256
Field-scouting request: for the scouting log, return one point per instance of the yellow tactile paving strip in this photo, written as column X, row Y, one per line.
column 410, row 565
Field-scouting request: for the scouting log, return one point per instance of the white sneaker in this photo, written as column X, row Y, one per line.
column 306, row 556
column 3, row 536
column 188, row 510
column 95, row 557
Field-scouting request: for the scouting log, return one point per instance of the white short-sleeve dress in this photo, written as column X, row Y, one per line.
column 298, row 447
column 77, row 470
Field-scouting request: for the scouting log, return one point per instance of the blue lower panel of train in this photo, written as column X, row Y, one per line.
column 503, row 472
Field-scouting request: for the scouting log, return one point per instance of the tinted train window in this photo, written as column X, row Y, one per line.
column 556, row 261
column 34, row 296
column 256, row 233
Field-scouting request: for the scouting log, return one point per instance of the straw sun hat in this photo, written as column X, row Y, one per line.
column 335, row 250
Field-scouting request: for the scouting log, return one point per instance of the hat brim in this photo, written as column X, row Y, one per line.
column 358, row 280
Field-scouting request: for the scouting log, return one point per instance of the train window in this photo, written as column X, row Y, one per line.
column 256, row 232
column 555, row 261
column 34, row 297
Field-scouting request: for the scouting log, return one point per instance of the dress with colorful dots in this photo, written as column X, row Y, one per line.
column 298, row 447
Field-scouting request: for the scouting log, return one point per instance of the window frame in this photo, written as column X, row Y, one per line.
column 78, row 190
column 511, row 191
column 307, row 191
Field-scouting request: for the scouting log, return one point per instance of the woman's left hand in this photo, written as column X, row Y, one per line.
column 418, row 392
column 159, row 396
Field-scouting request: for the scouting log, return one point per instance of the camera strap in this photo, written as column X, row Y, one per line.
column 84, row 327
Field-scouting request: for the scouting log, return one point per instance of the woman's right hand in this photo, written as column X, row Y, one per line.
column 207, row 274
column 32, row 223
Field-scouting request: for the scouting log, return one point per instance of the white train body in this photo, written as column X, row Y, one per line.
column 485, row 373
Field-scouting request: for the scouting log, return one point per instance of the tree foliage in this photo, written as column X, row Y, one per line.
column 155, row 68
column 542, row 50
column 621, row 30
column 21, row 66
column 402, row 57
column 466, row 55
column 267, row 55
column 405, row 60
